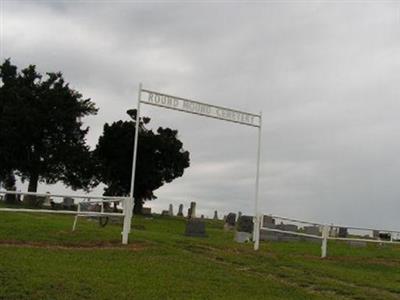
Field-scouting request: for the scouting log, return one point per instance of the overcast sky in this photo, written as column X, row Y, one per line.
column 326, row 76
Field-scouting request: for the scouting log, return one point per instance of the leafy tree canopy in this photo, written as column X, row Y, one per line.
column 41, row 136
column 161, row 158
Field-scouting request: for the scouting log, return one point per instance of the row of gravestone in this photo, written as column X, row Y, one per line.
column 243, row 226
column 191, row 213
column 269, row 222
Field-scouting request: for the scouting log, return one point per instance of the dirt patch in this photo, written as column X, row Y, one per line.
column 82, row 246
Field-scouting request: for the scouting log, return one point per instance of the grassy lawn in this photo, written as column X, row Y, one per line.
column 40, row 258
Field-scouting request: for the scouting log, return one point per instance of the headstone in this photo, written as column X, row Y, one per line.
column 384, row 236
column 242, row 237
column 290, row 228
column 68, row 202
column 313, row 230
column 202, row 217
column 146, row 211
column 195, row 228
column 180, row 211
column 375, row 234
column 192, row 210
column 215, row 215
column 239, row 215
column 265, row 235
column 230, row 221
column 47, row 201
column 268, row 222
column 189, row 213
column 171, row 210
column 165, row 213
column 342, row 232
column 245, row 224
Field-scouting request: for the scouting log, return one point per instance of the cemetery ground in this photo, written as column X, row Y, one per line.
column 40, row 258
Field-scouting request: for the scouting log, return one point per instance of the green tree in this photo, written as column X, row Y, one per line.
column 9, row 184
column 160, row 159
column 41, row 136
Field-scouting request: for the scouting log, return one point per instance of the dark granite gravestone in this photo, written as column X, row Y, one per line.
column 268, row 222
column 290, row 228
column 244, row 229
column 245, row 224
column 385, row 236
column 231, row 219
column 342, row 232
column 146, row 211
column 313, row 230
column 180, row 211
column 195, row 228
column 165, row 213
column 68, row 202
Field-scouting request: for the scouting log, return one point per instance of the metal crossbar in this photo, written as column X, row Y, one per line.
column 291, row 232
column 106, row 198
column 98, row 200
column 66, row 212
column 326, row 229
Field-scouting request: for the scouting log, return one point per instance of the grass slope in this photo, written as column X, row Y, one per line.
column 40, row 258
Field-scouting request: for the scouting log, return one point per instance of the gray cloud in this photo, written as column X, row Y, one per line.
column 325, row 75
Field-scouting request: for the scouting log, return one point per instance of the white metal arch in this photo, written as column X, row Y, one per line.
column 206, row 110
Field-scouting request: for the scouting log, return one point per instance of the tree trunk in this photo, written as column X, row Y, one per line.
column 32, row 187
column 33, row 183
column 9, row 185
column 137, row 208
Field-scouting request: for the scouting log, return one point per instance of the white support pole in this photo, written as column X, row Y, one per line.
column 256, row 231
column 128, row 207
column 325, row 235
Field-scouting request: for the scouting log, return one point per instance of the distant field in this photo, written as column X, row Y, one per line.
column 40, row 258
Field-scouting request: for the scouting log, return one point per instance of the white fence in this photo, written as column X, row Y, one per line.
column 271, row 229
column 97, row 204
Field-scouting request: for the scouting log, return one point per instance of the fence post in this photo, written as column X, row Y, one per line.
column 256, row 234
column 76, row 217
column 325, row 235
column 127, row 209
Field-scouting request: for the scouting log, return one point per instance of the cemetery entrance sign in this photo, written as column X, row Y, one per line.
column 207, row 110
column 199, row 108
